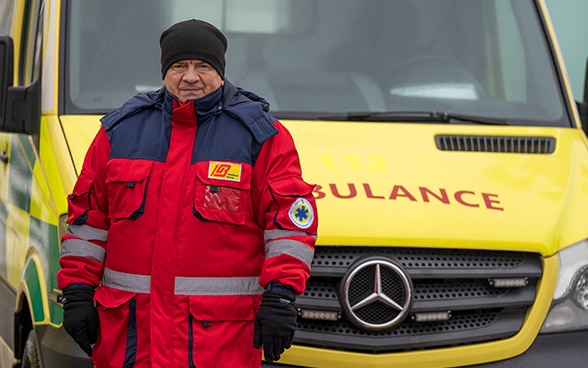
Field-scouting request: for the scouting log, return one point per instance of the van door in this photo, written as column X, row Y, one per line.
column 19, row 142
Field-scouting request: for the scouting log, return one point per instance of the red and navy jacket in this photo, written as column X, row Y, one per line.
column 203, row 199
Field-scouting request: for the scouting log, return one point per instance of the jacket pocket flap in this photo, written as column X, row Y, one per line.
column 112, row 298
column 224, row 308
column 128, row 170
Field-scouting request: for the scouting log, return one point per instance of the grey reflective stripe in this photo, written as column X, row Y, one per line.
column 290, row 247
column 126, row 281
column 274, row 234
column 218, row 286
column 88, row 232
column 82, row 248
column 185, row 285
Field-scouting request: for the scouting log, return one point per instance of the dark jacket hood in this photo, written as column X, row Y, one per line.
column 247, row 107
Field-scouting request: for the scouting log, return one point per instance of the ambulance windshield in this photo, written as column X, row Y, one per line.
column 313, row 58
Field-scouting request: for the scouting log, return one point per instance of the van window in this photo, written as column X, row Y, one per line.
column 6, row 8
column 571, row 28
column 331, row 57
column 30, row 63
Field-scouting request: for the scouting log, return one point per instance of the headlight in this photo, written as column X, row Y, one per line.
column 569, row 309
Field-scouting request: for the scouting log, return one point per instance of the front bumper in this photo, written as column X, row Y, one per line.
column 568, row 349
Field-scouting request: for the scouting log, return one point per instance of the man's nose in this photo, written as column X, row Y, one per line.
column 191, row 75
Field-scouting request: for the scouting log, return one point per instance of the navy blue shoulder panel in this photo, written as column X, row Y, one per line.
column 140, row 128
column 225, row 138
column 251, row 110
column 135, row 104
column 144, row 135
column 237, row 133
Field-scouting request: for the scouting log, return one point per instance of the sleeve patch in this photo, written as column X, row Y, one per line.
column 301, row 213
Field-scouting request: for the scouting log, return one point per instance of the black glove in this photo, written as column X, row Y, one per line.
column 275, row 324
column 80, row 318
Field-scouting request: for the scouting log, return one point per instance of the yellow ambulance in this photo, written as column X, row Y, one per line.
column 449, row 155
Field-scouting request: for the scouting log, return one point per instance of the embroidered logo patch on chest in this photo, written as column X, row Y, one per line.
column 301, row 213
column 224, row 171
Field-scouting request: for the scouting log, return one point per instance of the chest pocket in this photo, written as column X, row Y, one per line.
column 224, row 198
column 127, row 182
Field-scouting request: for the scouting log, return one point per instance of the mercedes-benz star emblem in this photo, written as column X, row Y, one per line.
column 376, row 293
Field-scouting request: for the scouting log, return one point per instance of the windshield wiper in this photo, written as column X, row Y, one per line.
column 449, row 117
column 420, row 116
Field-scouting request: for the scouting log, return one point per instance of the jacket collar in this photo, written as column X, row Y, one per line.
column 245, row 106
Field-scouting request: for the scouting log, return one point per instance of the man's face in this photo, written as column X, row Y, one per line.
column 191, row 79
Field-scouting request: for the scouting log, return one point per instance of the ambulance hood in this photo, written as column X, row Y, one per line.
column 390, row 184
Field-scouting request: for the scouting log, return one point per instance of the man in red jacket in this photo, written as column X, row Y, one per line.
column 191, row 229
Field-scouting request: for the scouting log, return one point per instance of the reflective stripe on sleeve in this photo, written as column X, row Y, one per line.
column 88, row 232
column 275, row 234
column 215, row 286
column 82, row 248
column 290, row 247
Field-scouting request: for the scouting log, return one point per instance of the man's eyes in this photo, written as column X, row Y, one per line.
column 201, row 68
column 204, row 68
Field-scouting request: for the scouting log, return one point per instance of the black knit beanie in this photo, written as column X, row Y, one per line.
column 193, row 39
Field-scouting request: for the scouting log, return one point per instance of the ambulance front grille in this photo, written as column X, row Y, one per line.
column 499, row 144
column 454, row 281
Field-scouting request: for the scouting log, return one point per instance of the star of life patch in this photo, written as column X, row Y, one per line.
column 301, row 213
column 224, row 171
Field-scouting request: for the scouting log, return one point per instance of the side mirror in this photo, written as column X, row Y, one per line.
column 20, row 106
